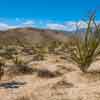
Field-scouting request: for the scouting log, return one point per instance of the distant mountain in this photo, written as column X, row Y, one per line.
column 31, row 35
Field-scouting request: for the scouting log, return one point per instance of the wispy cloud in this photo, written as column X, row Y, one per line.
column 27, row 23
column 66, row 26
column 56, row 26
column 4, row 26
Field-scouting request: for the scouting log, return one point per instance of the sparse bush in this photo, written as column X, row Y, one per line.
column 2, row 64
column 24, row 98
column 18, row 61
column 8, row 52
column 21, row 66
column 40, row 52
column 46, row 73
column 87, row 49
column 11, row 50
column 54, row 45
column 38, row 57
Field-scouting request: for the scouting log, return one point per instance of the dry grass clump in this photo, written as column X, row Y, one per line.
column 55, row 46
column 8, row 52
column 18, row 61
column 21, row 67
column 23, row 98
column 40, row 51
column 2, row 64
column 45, row 73
column 87, row 48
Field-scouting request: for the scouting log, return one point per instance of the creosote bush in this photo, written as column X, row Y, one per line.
column 8, row 52
column 21, row 66
column 54, row 46
column 2, row 64
column 87, row 48
column 40, row 52
column 18, row 61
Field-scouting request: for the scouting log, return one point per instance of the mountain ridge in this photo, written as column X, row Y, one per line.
column 31, row 35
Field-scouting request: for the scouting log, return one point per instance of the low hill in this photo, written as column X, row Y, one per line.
column 30, row 35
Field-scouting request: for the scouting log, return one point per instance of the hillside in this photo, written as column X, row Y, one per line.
column 30, row 35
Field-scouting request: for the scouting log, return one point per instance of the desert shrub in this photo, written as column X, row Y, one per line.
column 24, row 69
column 54, row 45
column 87, row 48
column 11, row 50
column 2, row 64
column 43, row 73
column 40, row 52
column 23, row 98
column 28, row 50
column 21, row 66
column 8, row 52
column 18, row 61
column 38, row 57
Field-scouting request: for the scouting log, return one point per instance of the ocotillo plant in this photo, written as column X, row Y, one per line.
column 87, row 48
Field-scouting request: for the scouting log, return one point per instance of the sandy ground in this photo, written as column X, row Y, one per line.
column 71, row 85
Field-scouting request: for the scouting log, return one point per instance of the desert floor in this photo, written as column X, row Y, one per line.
column 72, row 84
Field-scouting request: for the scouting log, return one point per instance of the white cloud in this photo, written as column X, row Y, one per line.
column 56, row 26
column 72, row 25
column 5, row 26
column 68, row 26
column 82, row 24
column 28, row 23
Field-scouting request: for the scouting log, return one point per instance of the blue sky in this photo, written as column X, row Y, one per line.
column 45, row 13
